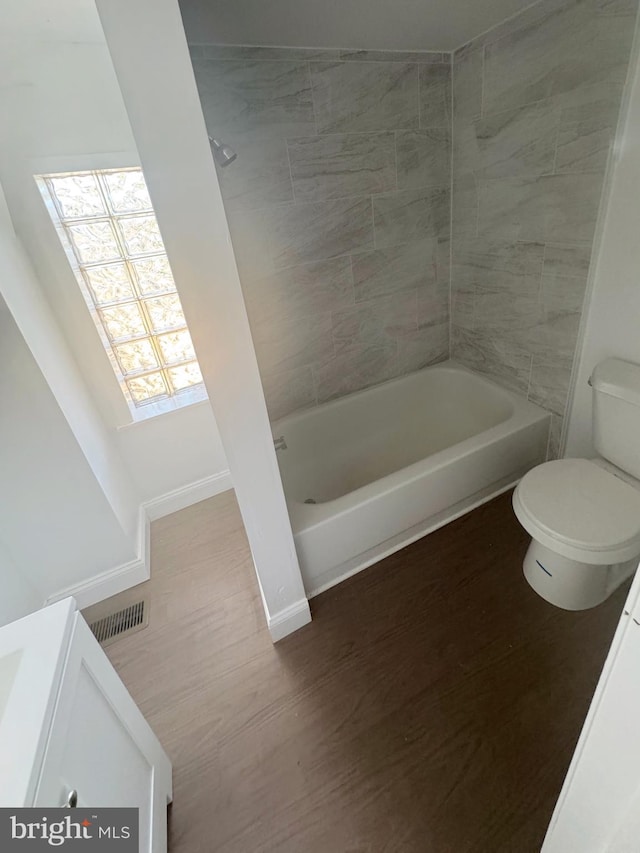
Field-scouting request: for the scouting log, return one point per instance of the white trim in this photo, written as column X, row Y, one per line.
column 183, row 497
column 112, row 581
column 286, row 621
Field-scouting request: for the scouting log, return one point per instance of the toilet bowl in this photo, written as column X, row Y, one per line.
column 584, row 523
column 583, row 515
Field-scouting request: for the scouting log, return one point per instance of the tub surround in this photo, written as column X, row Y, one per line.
column 389, row 210
column 536, row 104
column 339, row 210
column 368, row 474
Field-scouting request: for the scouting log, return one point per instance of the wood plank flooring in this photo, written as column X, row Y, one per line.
column 431, row 707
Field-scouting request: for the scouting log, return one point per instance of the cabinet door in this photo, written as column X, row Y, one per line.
column 599, row 806
column 101, row 746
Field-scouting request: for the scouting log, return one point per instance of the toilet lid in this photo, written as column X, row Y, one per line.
column 579, row 503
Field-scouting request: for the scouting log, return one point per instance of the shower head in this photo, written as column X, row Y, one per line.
column 223, row 154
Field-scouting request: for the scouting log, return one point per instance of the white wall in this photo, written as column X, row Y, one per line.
column 62, row 110
column 21, row 292
column 612, row 325
column 164, row 109
column 18, row 596
column 55, row 519
column 189, row 443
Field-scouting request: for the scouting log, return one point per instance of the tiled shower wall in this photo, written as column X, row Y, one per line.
column 536, row 102
column 339, row 210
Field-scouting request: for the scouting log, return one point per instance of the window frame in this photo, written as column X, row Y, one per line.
column 138, row 411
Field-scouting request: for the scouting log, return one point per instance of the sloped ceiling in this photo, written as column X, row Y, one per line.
column 357, row 24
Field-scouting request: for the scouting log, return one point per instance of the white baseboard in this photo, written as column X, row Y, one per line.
column 287, row 621
column 112, row 581
column 187, row 495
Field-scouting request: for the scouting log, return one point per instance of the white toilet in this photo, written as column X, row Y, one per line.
column 583, row 515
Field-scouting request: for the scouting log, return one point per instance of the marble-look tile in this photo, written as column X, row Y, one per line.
column 549, row 385
column 426, row 57
column 248, row 96
column 589, row 117
column 428, row 345
column 260, row 176
column 249, row 230
column 462, row 306
column 553, row 339
column 443, row 259
column 293, row 343
column 299, row 291
column 411, row 215
column 555, row 207
column 584, row 147
column 617, row 7
column 531, row 15
column 492, row 279
column 513, row 142
column 289, row 391
column 561, row 295
column 467, row 85
column 561, row 304
column 543, row 10
column 423, row 158
column 497, row 284
column 571, row 47
column 352, row 97
column 513, row 318
column 376, row 322
column 435, row 95
column 256, row 53
column 489, row 256
column 464, row 219
column 554, row 450
column 433, row 306
column 308, row 232
column 340, row 165
column 569, row 260
column 500, row 360
column 354, row 370
column 385, row 271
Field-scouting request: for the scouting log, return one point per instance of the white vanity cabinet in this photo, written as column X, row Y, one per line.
column 69, row 730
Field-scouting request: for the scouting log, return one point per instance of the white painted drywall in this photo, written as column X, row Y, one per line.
column 62, row 109
column 23, row 296
column 612, row 324
column 360, row 24
column 189, row 443
column 55, row 519
column 151, row 59
column 18, row 596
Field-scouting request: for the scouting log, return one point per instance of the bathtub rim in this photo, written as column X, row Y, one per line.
column 308, row 516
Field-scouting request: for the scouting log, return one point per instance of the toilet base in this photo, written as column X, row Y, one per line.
column 571, row 584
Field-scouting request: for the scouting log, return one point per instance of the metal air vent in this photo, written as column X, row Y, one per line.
column 125, row 621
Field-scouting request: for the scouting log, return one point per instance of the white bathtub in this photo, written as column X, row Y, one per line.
column 388, row 465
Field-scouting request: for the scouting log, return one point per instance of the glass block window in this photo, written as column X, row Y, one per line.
column 107, row 226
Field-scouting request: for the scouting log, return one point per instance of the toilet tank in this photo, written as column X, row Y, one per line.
column 616, row 413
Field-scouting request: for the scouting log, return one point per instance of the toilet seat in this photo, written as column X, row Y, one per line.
column 579, row 509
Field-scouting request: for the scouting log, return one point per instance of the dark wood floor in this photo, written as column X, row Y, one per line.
column 431, row 707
